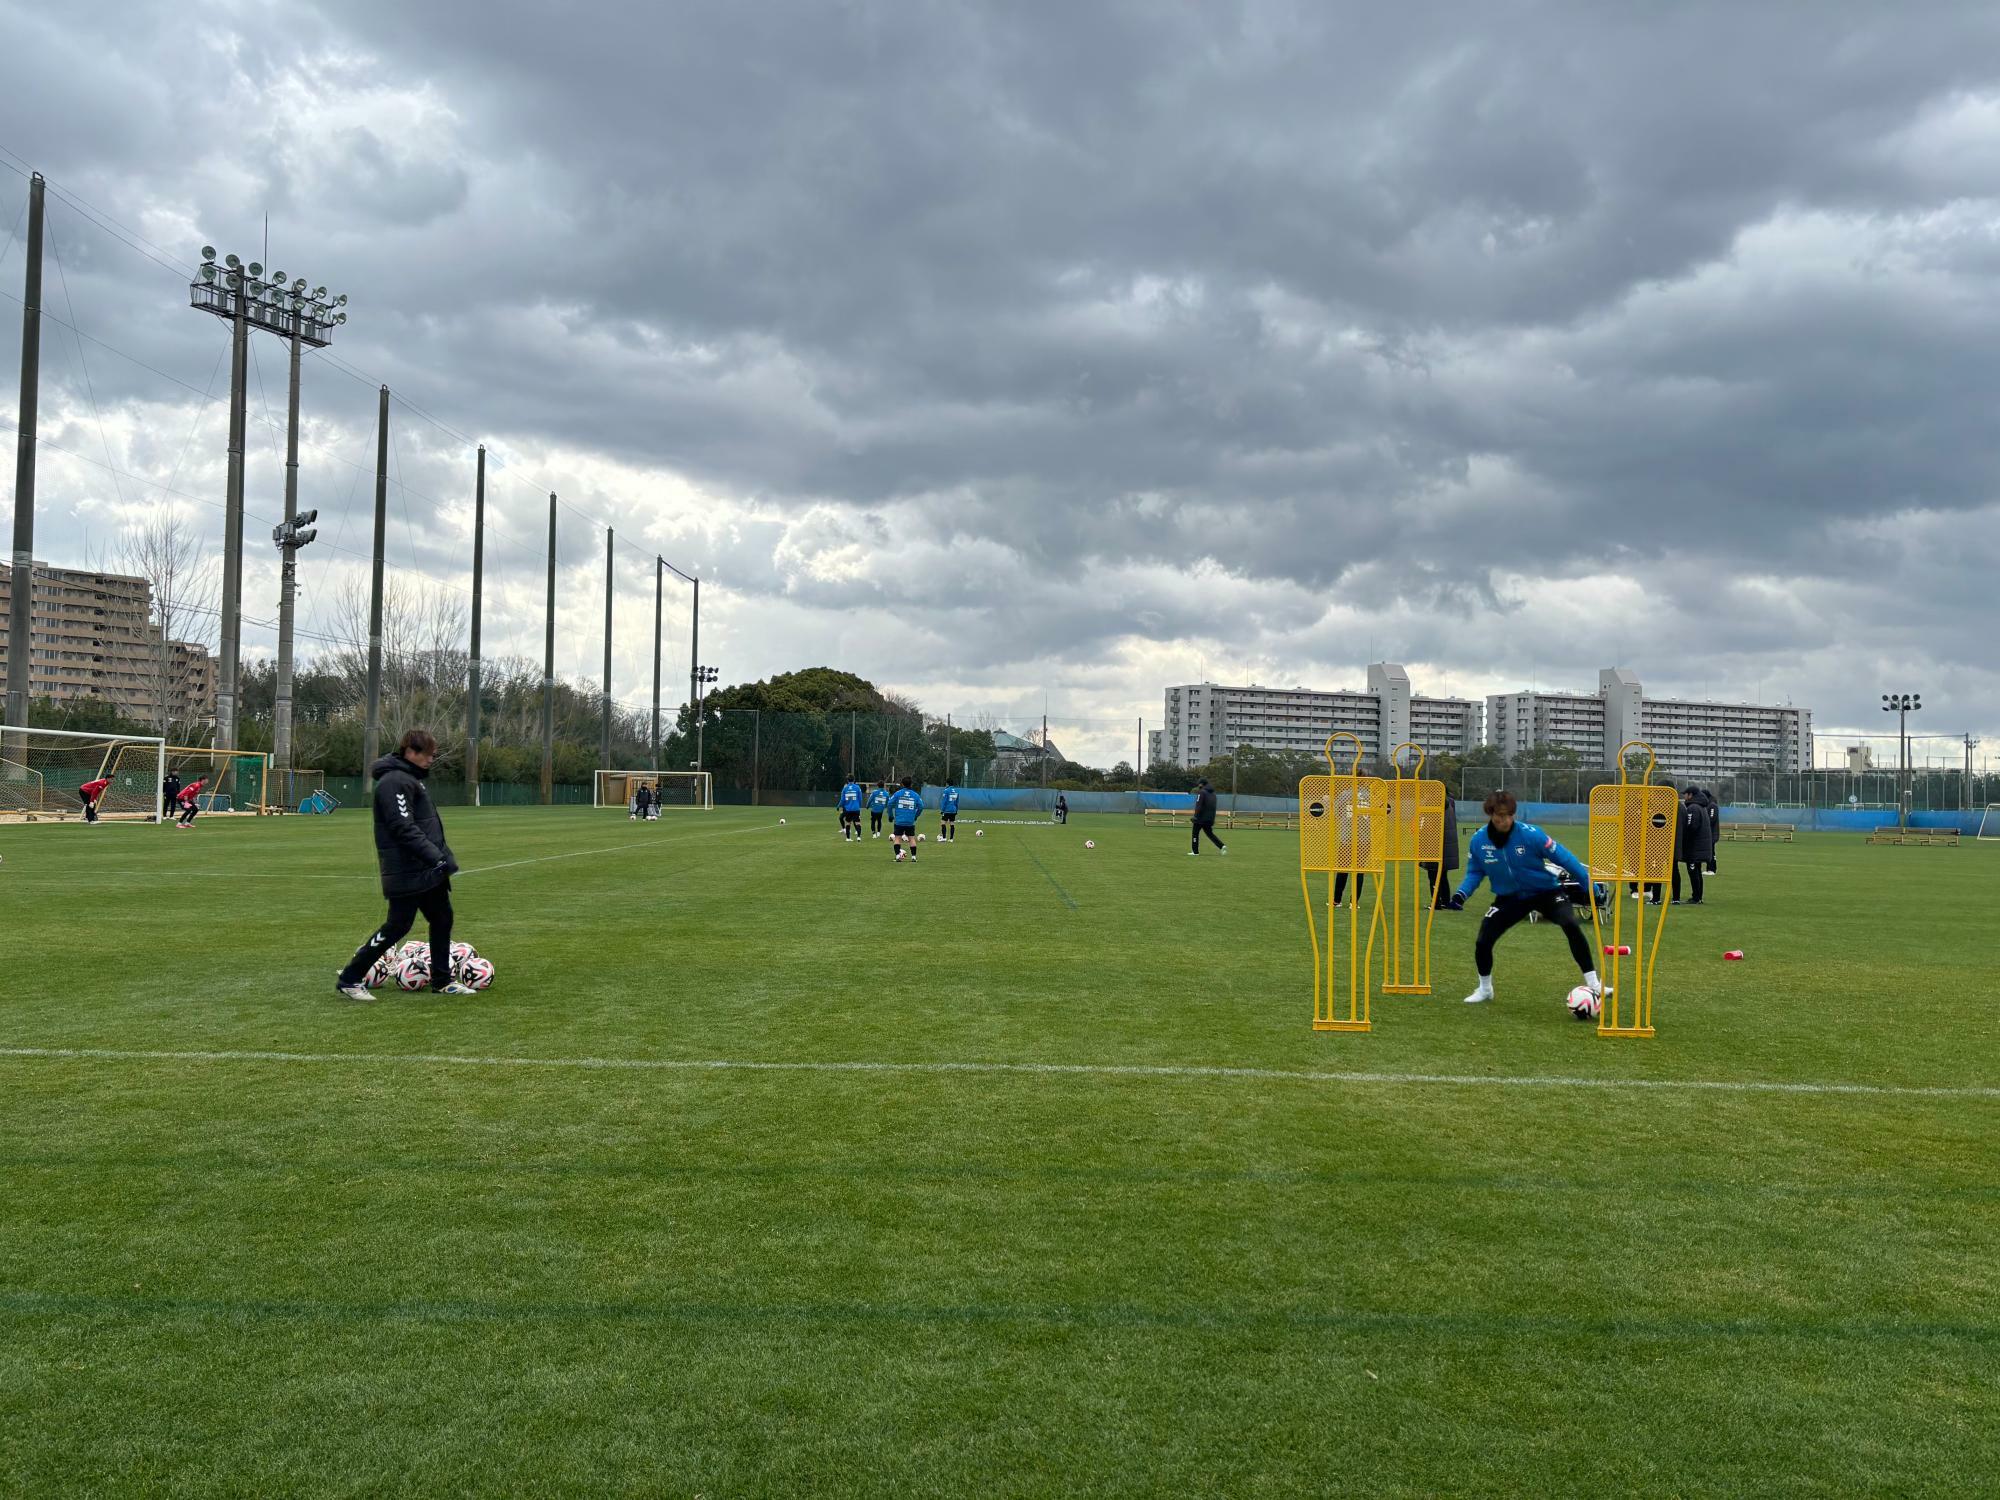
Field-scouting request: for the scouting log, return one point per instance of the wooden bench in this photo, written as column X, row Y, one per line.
column 1941, row 837
column 1179, row 817
column 1758, row 833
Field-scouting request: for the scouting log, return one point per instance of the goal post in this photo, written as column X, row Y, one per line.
column 43, row 772
column 674, row 790
column 232, row 781
column 1989, row 822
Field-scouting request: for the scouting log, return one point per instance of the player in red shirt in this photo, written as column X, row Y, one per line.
column 189, row 807
column 92, row 792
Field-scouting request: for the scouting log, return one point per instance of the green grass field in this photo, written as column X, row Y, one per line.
column 718, row 1190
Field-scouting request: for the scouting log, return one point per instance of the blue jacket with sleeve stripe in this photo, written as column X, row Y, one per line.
column 1520, row 867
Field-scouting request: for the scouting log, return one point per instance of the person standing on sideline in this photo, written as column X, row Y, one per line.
column 1526, row 869
column 903, row 810
column 1714, row 810
column 850, row 812
column 190, row 801
column 1204, row 820
column 92, row 792
column 948, row 815
column 1441, row 872
column 170, row 791
column 1695, row 845
column 1062, row 808
column 642, row 802
column 416, row 865
column 878, row 803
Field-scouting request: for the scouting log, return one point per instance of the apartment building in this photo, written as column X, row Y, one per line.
column 1691, row 737
column 92, row 634
column 1204, row 720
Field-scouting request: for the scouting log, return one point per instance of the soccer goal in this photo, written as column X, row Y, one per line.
column 293, row 790
column 43, row 771
column 675, row 790
column 232, row 781
column 1989, row 822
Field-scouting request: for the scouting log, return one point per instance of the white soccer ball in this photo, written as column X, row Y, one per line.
column 920, row 838
column 414, row 972
column 477, row 973
column 460, row 952
column 979, row 833
column 1585, row 1003
column 380, row 972
column 413, row 946
column 1090, row 843
column 781, row 822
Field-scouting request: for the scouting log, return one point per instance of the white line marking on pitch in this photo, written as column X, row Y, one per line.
column 1088, row 1070
column 542, row 859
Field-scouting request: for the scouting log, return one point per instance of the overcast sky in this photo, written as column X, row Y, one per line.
column 1076, row 349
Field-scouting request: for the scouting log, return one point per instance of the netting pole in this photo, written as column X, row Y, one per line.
column 604, row 746
column 281, row 708
column 232, row 531
column 371, row 738
column 549, row 668
column 472, row 665
column 659, row 590
column 21, row 585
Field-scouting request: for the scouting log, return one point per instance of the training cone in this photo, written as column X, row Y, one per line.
column 1734, row 955
column 1623, row 950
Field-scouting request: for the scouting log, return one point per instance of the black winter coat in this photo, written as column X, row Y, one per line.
column 1204, row 805
column 409, row 835
column 1451, row 856
column 1697, row 840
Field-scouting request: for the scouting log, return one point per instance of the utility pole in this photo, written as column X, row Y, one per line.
column 756, row 755
column 371, row 738
column 232, row 527
column 604, row 747
column 659, row 592
column 472, row 675
column 694, row 649
column 549, row 668
column 286, row 536
column 21, row 583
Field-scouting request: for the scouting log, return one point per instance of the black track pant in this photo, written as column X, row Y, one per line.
column 1694, row 879
column 1508, row 911
column 435, row 905
column 874, row 822
column 89, row 809
column 1194, row 839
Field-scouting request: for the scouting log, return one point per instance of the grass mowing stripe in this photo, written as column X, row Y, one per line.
column 1032, row 1069
column 1066, row 900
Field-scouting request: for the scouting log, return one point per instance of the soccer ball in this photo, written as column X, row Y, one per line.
column 1090, row 843
column 1585, row 1004
column 460, row 952
column 414, row 945
column 477, row 973
column 414, row 972
column 781, row 822
column 380, row 972
column 979, row 833
column 920, row 838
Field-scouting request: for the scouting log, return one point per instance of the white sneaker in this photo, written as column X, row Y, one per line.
column 1223, row 850
column 1479, row 996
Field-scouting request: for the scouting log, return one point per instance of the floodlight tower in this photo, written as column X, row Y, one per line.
column 246, row 298
column 1902, row 705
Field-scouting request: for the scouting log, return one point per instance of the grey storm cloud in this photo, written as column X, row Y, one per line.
column 1049, row 344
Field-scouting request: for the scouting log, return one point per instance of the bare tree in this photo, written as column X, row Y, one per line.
column 167, row 552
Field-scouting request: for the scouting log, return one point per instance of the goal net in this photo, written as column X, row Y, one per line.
column 1989, row 822
column 43, row 772
column 231, row 781
column 674, row 790
column 298, row 791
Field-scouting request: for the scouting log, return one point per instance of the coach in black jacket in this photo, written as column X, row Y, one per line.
column 416, row 864
column 1204, row 819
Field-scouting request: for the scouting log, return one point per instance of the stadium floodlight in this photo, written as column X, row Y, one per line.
column 307, row 517
column 298, row 286
column 208, row 252
column 319, row 294
column 232, row 262
column 256, row 268
column 341, row 300
column 278, row 278
column 208, row 270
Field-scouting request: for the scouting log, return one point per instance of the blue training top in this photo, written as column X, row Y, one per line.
column 948, row 800
column 878, row 799
column 1522, row 867
column 850, row 797
column 906, row 804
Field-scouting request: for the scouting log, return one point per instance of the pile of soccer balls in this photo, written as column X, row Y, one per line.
column 409, row 967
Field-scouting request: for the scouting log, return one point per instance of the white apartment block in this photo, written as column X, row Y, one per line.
column 1691, row 738
column 92, row 635
column 1205, row 719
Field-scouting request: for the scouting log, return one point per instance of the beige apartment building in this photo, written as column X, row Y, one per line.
column 92, row 635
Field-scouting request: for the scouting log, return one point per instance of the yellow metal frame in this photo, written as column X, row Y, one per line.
column 243, row 800
column 1343, row 830
column 1416, row 838
column 1631, row 841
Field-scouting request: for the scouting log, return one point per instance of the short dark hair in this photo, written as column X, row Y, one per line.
column 905, row 781
column 1501, row 801
column 419, row 740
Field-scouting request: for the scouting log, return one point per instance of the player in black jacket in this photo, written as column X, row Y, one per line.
column 416, row 864
column 1204, row 820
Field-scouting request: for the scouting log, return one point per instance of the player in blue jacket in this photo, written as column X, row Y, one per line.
column 1526, row 868
column 904, row 805
column 878, row 803
column 850, row 811
column 948, row 815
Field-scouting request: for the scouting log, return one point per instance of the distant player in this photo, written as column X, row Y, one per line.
column 1526, row 868
column 92, row 792
column 948, row 815
column 189, row 800
column 1062, row 808
column 170, row 792
column 903, row 809
column 878, row 803
column 850, row 812
column 642, row 802
column 1204, row 819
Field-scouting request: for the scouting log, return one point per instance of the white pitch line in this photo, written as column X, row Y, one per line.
column 717, row 833
column 1088, row 1070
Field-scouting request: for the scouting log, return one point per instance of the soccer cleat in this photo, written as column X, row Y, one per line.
column 454, row 988
column 357, row 992
column 1223, row 850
